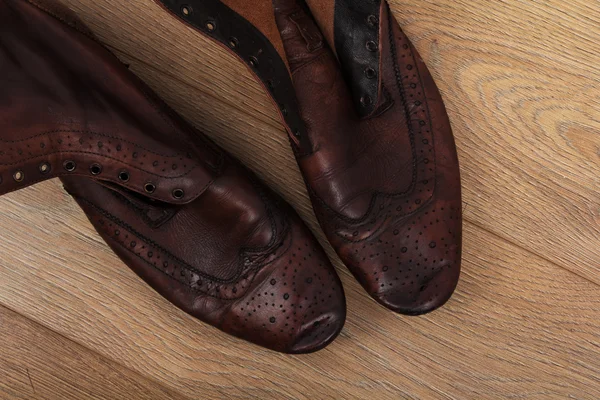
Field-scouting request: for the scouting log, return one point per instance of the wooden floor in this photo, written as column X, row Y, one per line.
column 521, row 80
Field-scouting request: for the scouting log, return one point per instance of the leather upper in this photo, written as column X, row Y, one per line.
column 383, row 174
column 184, row 215
column 377, row 150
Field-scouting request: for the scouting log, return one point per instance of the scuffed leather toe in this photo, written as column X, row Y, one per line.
column 299, row 303
column 426, row 295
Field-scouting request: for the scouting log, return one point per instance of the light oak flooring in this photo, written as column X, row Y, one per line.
column 521, row 80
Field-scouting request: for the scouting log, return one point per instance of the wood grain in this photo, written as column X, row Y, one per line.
column 36, row 363
column 518, row 325
column 521, row 81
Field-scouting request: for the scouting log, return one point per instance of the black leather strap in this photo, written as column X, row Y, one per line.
column 221, row 23
column 356, row 34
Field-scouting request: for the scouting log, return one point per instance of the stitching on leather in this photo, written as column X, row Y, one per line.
column 189, row 288
column 403, row 98
column 376, row 195
column 125, row 225
column 152, row 98
column 143, row 213
column 309, row 62
column 86, row 132
column 274, row 237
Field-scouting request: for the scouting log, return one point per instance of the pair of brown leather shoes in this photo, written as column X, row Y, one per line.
column 366, row 123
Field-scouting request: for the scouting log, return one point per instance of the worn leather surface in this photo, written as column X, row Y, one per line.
column 184, row 215
column 385, row 185
column 381, row 165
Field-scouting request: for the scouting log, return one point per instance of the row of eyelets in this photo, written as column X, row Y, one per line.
column 370, row 72
column 233, row 42
column 151, row 187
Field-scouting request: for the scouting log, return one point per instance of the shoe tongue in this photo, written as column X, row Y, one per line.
column 69, row 107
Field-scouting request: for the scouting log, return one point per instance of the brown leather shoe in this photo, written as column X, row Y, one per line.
column 369, row 130
column 186, row 217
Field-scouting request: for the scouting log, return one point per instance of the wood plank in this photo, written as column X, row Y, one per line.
column 518, row 325
column 520, row 79
column 36, row 363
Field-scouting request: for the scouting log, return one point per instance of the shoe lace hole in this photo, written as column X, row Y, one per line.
column 19, row 176
column 186, row 10
column 123, row 176
column 178, row 193
column 95, row 169
column 70, row 166
column 149, row 187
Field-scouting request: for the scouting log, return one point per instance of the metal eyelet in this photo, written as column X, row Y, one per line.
column 372, row 20
column 149, row 187
column 366, row 101
column 370, row 73
column 211, row 26
column 372, row 46
column 124, row 176
column 18, row 176
column 186, row 10
column 95, row 169
column 253, row 61
column 233, row 42
column 69, row 165
column 44, row 168
column 178, row 193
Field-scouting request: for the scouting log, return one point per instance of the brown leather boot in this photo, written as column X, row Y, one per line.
column 369, row 130
column 183, row 214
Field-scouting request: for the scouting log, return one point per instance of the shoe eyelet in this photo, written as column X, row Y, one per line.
column 19, row 176
column 370, row 73
column 124, row 176
column 178, row 194
column 372, row 20
column 69, row 165
column 149, row 187
column 372, row 46
column 233, row 42
column 95, row 169
column 366, row 101
column 211, row 26
column 44, row 168
column 253, row 61
column 186, row 10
